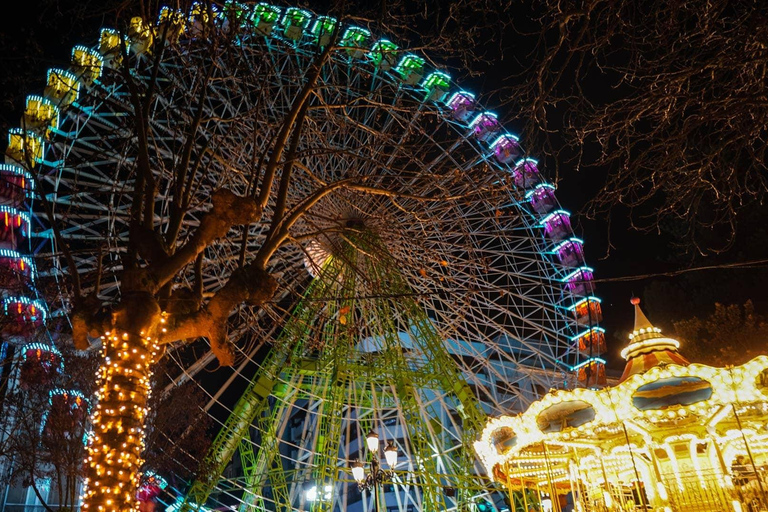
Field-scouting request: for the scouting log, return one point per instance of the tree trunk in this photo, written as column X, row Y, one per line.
column 130, row 350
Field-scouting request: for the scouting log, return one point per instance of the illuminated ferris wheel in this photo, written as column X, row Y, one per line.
column 448, row 286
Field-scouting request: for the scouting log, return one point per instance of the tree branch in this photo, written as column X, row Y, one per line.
column 285, row 179
column 281, row 233
column 39, row 496
column 289, row 122
column 182, row 170
column 271, row 244
column 250, row 284
column 228, row 210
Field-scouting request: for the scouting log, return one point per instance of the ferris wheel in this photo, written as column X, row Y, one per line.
column 444, row 286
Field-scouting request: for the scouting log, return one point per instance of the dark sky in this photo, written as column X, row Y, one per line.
column 36, row 35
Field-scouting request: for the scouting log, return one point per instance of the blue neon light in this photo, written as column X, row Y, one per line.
column 575, row 273
column 562, row 244
column 598, row 360
column 588, row 331
column 538, row 187
column 553, row 215
column 591, row 298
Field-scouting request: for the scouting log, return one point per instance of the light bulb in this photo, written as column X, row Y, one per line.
column 358, row 472
column 372, row 439
column 390, row 454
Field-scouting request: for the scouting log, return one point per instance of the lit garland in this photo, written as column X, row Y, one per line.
column 115, row 447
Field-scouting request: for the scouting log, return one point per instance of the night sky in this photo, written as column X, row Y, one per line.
column 37, row 35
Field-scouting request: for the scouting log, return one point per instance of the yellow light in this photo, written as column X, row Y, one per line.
column 662, row 491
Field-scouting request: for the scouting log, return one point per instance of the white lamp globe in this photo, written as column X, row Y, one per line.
column 358, row 472
column 372, row 439
column 390, row 453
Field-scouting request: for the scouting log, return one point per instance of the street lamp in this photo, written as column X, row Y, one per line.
column 377, row 476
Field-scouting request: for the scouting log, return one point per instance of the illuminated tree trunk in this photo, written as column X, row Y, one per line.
column 130, row 350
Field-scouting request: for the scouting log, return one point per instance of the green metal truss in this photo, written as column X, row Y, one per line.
column 235, row 431
column 340, row 384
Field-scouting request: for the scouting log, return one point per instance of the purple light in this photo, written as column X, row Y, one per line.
column 462, row 104
column 557, row 226
column 526, row 174
column 571, row 253
column 543, row 200
column 581, row 283
column 506, row 149
column 485, row 126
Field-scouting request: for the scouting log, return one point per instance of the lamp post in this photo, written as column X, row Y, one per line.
column 377, row 475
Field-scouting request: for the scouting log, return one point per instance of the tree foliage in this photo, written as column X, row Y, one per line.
column 731, row 334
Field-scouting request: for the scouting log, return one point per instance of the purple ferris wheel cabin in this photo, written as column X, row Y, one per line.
column 462, row 105
column 506, row 148
column 526, row 174
column 542, row 198
column 485, row 126
column 580, row 281
column 570, row 253
column 557, row 225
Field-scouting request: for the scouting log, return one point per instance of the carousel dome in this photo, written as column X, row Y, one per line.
column 648, row 347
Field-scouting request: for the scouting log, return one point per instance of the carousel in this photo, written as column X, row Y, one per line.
column 670, row 436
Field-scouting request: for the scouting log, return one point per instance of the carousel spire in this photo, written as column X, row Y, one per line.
column 641, row 321
column 648, row 347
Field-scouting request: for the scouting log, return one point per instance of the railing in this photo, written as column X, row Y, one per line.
column 690, row 491
column 707, row 491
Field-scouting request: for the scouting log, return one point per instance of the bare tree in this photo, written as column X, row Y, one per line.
column 668, row 97
column 48, row 413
